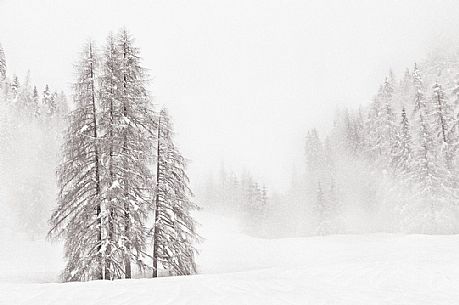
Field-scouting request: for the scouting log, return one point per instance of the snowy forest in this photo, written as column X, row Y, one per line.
column 124, row 201
column 229, row 152
column 389, row 166
column 123, row 196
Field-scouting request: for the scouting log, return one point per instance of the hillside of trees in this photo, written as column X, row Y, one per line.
column 388, row 166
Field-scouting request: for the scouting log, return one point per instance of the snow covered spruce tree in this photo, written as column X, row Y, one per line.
column 126, row 153
column 77, row 217
column 430, row 177
column 443, row 115
column 402, row 151
column 381, row 126
column 420, row 102
column 25, row 106
column 47, row 103
column 14, row 88
column 2, row 64
column 174, row 228
column 35, row 104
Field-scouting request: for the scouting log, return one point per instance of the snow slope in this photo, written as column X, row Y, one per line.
column 236, row 269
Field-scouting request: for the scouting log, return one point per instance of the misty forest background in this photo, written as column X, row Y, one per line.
column 388, row 166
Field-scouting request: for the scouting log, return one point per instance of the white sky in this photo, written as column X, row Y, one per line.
column 242, row 79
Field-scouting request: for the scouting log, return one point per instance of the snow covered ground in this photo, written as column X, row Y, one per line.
column 236, row 269
column 26, row 261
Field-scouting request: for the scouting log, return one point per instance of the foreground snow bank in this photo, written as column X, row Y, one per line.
column 236, row 269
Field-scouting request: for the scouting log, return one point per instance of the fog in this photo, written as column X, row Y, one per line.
column 243, row 80
column 295, row 121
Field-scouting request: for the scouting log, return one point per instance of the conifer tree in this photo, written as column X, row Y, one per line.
column 389, row 124
column 381, row 126
column 52, row 107
column 429, row 178
column 402, row 152
column 14, row 89
column 46, row 102
column 78, row 215
column 2, row 65
column 443, row 114
column 455, row 92
column 420, row 103
column 126, row 153
column 136, row 148
column 24, row 97
column 27, row 104
column 406, row 85
column 110, row 85
column 174, row 232
column 35, row 105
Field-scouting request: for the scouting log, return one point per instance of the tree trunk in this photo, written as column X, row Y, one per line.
column 127, row 220
column 109, row 209
column 156, row 230
column 96, row 154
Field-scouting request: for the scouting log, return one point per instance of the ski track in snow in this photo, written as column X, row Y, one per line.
column 237, row 269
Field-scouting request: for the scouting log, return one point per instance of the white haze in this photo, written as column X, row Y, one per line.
column 243, row 80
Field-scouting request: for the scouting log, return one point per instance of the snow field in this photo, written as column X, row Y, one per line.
column 237, row 269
